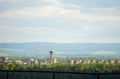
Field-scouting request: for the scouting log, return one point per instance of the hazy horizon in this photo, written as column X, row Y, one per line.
column 68, row 42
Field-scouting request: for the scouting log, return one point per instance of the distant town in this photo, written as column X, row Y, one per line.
column 53, row 60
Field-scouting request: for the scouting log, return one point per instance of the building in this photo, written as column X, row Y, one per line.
column 112, row 61
column 54, row 60
column 88, row 61
column 30, row 61
column 101, row 61
column 77, row 62
column 80, row 61
column 18, row 62
column 4, row 59
column 117, row 61
column 72, row 62
column 93, row 61
column 106, row 62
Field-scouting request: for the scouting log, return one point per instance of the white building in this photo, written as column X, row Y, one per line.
column 112, row 61
column 20, row 62
column 30, row 61
column 72, row 62
column 54, row 60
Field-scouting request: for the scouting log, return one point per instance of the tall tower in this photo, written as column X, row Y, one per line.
column 51, row 52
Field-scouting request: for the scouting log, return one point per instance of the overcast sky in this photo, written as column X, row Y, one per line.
column 61, row 21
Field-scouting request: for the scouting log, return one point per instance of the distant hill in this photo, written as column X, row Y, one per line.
column 43, row 48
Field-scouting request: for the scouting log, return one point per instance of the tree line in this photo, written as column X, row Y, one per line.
column 90, row 68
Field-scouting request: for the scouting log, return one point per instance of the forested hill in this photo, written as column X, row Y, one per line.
column 61, row 48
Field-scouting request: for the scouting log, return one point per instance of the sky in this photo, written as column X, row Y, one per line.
column 60, row 21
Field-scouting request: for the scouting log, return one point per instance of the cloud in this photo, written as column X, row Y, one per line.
column 57, row 9
column 27, row 30
column 47, row 12
column 53, row 9
column 106, row 9
column 106, row 14
column 15, row 1
column 29, row 12
column 56, row 20
column 12, row 1
column 51, row 1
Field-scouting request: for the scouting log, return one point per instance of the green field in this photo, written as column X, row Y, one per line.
column 3, row 54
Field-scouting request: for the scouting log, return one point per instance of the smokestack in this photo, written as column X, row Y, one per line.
column 51, row 52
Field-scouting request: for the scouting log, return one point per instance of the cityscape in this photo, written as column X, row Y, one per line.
column 52, row 64
column 53, row 60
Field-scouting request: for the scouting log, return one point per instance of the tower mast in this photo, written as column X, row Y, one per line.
column 51, row 52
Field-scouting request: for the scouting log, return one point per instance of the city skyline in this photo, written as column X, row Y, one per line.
column 60, row 21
